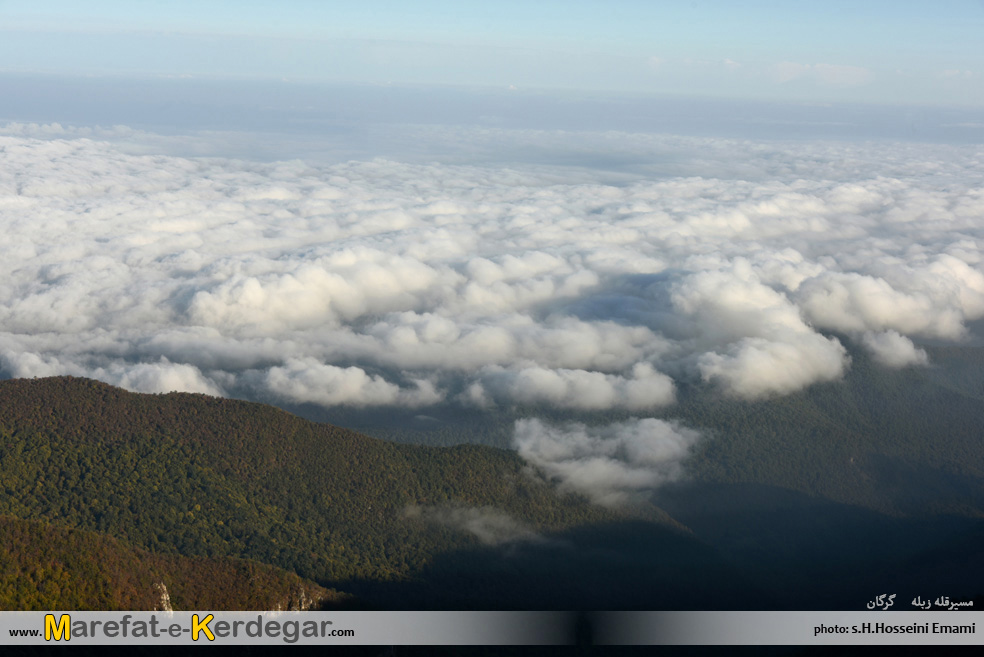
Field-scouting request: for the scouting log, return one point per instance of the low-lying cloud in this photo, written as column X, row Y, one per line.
column 489, row 525
column 308, row 380
column 378, row 283
column 610, row 464
column 894, row 350
column 643, row 389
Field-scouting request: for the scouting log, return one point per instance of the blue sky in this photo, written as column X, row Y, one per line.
column 877, row 52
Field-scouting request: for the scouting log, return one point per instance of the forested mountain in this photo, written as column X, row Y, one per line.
column 807, row 501
column 904, row 442
column 45, row 566
column 201, row 476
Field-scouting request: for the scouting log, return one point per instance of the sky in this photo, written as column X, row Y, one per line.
column 872, row 52
column 581, row 206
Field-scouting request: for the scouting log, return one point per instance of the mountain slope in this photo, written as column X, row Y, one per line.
column 201, row 476
column 44, row 566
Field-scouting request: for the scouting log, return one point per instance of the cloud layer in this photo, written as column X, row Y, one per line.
column 379, row 283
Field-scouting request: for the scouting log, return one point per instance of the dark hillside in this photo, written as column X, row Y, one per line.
column 905, row 442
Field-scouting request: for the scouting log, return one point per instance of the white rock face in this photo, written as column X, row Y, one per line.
column 165, row 597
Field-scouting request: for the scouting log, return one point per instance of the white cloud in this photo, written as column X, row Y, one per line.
column 894, row 350
column 149, row 377
column 307, row 380
column 756, row 367
column 854, row 302
column 767, row 347
column 643, row 389
column 162, row 376
column 27, row 364
column 611, row 464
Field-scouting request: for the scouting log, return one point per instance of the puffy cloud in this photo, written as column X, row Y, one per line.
column 611, row 464
column 768, row 348
column 854, row 302
column 894, row 350
column 644, row 389
column 338, row 287
column 374, row 283
column 755, row 367
column 150, row 377
column 162, row 376
column 28, row 364
column 307, row 380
